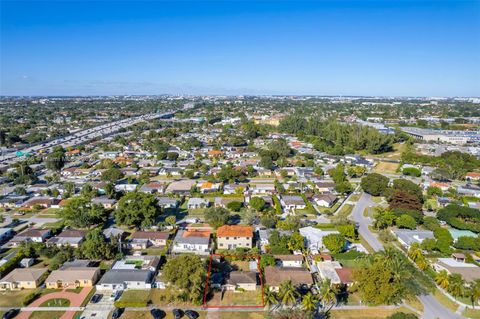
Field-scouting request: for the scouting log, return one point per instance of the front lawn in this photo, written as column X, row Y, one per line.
column 236, row 298
column 13, row 298
column 470, row 313
column 57, row 302
column 46, row 315
column 368, row 313
column 133, row 299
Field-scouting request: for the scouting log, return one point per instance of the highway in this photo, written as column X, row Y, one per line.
column 432, row 307
column 80, row 137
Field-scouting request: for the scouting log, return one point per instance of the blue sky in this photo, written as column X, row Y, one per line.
column 400, row 48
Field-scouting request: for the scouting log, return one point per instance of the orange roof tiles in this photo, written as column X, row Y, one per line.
column 235, row 231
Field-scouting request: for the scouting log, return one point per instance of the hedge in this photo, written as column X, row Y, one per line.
column 30, row 298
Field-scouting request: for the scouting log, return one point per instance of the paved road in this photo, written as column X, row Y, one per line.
column 363, row 222
column 432, row 308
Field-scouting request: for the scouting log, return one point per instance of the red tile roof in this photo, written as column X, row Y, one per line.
column 235, row 231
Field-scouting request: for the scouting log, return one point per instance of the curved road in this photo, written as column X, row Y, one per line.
column 432, row 308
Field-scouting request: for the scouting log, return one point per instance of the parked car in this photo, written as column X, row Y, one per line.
column 177, row 313
column 157, row 313
column 117, row 313
column 115, row 295
column 191, row 314
column 10, row 313
column 96, row 298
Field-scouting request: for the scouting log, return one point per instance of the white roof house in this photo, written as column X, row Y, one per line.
column 314, row 237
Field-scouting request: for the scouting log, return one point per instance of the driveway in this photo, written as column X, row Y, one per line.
column 100, row 309
column 75, row 301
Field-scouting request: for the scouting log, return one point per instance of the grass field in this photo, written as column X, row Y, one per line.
column 373, row 313
column 46, row 315
column 470, row 313
column 386, row 168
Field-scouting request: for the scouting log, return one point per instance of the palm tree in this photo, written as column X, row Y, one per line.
column 309, row 302
column 474, row 292
column 287, row 293
column 457, row 285
column 269, row 297
column 415, row 252
column 328, row 295
column 442, row 279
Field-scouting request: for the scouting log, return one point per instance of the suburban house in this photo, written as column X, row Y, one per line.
column 107, row 203
column 469, row 190
column 69, row 237
column 314, row 237
column 288, row 261
column 43, row 202
column 192, row 241
column 407, row 237
column 224, row 201
column 144, row 239
column 167, row 202
column 112, row 232
column 23, row 278
column 208, row 187
column 73, row 277
column 457, row 265
column 246, row 280
column 121, row 279
column 262, row 189
column 152, row 188
column 196, row 202
column 32, row 234
column 234, row 236
column 472, row 176
column 181, row 187
column 334, row 271
column 325, row 187
column 325, row 200
column 292, row 202
column 144, row 262
column 274, row 277
column 231, row 189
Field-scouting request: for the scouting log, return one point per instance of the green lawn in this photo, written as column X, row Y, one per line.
column 368, row 313
column 134, row 298
column 13, row 298
column 57, row 302
column 470, row 313
column 344, row 212
column 234, row 298
column 46, row 315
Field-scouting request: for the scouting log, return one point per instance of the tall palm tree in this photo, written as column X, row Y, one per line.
column 328, row 295
column 287, row 293
column 474, row 292
column 269, row 297
column 442, row 279
column 309, row 302
column 457, row 285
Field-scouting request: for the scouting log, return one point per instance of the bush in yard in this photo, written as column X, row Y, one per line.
column 374, row 184
column 335, row 243
column 406, row 221
column 30, row 298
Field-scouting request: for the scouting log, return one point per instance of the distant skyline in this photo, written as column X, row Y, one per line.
column 364, row 48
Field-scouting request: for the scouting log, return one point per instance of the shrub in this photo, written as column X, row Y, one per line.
column 30, row 298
